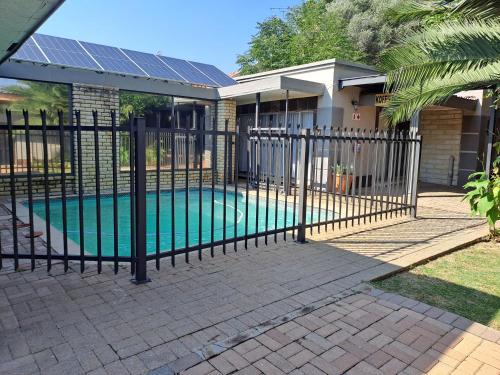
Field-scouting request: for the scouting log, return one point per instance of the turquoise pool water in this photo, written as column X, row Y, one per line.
column 123, row 236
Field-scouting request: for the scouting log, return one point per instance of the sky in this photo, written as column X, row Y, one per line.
column 213, row 31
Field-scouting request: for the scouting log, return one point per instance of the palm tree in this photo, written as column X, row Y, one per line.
column 456, row 49
column 40, row 95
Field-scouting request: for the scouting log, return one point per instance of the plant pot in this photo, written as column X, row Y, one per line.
column 341, row 183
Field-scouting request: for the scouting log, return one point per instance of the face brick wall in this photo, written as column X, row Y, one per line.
column 441, row 133
column 226, row 110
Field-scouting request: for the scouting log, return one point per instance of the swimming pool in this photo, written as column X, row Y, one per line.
column 123, row 236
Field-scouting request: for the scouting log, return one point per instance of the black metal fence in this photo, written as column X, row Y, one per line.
column 133, row 194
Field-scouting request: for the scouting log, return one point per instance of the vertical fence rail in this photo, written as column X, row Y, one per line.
column 297, row 180
column 140, row 202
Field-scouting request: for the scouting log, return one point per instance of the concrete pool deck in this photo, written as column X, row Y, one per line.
column 56, row 323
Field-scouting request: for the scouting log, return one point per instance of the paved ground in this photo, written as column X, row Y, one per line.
column 367, row 333
column 60, row 323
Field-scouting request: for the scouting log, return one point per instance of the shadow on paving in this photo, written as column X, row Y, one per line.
column 76, row 323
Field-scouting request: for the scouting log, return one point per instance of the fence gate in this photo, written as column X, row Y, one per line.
column 129, row 194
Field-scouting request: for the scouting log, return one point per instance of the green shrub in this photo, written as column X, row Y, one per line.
column 484, row 193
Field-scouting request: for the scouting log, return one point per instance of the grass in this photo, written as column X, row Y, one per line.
column 466, row 283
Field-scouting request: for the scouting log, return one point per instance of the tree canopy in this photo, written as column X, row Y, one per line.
column 353, row 30
column 140, row 103
column 36, row 96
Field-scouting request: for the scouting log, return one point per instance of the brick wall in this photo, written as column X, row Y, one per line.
column 226, row 110
column 441, row 133
column 103, row 100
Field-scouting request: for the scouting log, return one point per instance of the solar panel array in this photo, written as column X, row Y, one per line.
column 48, row 49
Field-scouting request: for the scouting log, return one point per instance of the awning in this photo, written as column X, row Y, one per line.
column 19, row 19
column 271, row 88
column 373, row 95
column 377, row 80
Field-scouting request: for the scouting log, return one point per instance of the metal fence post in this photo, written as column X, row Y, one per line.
column 140, row 201
column 415, row 172
column 304, row 172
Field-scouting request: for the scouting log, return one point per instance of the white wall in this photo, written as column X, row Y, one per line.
column 325, row 76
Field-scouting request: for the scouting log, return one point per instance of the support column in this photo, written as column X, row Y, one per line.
column 287, row 152
column 87, row 98
column 489, row 138
column 257, row 109
column 415, row 162
column 226, row 111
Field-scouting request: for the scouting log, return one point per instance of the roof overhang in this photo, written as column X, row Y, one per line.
column 362, row 82
column 458, row 102
column 311, row 67
column 19, row 19
column 52, row 73
column 375, row 83
column 271, row 87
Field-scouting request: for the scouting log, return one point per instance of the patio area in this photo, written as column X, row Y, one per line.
column 56, row 323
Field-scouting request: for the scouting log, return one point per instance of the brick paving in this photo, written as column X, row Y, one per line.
column 370, row 332
column 57, row 323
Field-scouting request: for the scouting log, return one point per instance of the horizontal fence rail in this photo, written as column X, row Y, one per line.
column 105, row 193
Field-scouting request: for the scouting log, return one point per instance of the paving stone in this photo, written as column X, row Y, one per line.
column 345, row 362
column 203, row 368
column 235, row 359
column 255, row 354
column 301, row 358
column 401, row 351
column 290, row 350
column 378, row 359
column 222, row 365
column 310, row 369
column 363, row 368
column 394, row 366
column 267, row 368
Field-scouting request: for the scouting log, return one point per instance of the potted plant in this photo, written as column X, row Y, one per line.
column 342, row 182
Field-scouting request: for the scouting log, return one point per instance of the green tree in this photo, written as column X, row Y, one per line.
column 36, row 96
column 370, row 26
column 269, row 49
column 456, row 49
column 140, row 103
column 307, row 33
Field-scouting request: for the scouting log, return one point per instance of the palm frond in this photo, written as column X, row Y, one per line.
column 406, row 102
column 442, row 51
column 421, row 10
column 480, row 9
column 417, row 10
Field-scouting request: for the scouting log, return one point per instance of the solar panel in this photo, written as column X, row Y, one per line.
column 112, row 59
column 214, row 73
column 153, row 66
column 67, row 52
column 188, row 71
column 29, row 51
column 64, row 51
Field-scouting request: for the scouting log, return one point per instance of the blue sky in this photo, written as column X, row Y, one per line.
column 213, row 31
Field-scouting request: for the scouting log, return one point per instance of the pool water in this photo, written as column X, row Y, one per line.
column 123, row 236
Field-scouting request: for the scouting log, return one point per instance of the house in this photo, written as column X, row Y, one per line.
column 324, row 94
column 350, row 95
